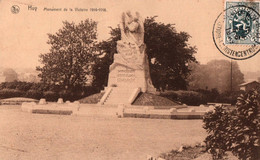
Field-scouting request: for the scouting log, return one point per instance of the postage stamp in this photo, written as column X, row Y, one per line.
column 242, row 22
column 236, row 30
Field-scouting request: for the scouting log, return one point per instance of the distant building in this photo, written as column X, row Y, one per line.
column 249, row 85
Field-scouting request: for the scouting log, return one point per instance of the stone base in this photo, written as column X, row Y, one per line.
column 173, row 113
column 50, row 108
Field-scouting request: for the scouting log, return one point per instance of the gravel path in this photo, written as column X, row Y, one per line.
column 40, row 136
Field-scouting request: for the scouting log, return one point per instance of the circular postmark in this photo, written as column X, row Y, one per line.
column 236, row 32
column 15, row 9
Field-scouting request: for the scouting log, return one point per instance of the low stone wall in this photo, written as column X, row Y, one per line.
column 16, row 101
column 43, row 107
column 68, row 108
column 173, row 113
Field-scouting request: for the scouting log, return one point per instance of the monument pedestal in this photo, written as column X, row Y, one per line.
column 126, row 77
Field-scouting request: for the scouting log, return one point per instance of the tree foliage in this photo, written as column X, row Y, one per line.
column 71, row 55
column 168, row 53
column 235, row 130
column 215, row 74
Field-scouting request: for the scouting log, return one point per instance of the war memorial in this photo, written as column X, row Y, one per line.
column 129, row 76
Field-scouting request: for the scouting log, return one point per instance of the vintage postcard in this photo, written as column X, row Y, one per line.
column 129, row 79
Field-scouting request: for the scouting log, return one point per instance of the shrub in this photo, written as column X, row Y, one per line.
column 187, row 97
column 40, row 87
column 66, row 95
column 234, row 130
column 228, row 97
column 209, row 95
column 191, row 97
column 51, row 96
column 8, row 85
column 22, row 86
column 41, row 90
column 8, row 93
column 170, row 95
column 34, row 94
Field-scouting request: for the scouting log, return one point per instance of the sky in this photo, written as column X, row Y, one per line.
column 23, row 36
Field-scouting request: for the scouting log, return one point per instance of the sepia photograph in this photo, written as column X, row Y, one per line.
column 129, row 80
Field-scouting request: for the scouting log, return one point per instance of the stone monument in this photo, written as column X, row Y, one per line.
column 129, row 72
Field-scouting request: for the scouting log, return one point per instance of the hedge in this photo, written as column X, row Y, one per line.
column 50, row 96
column 198, row 97
column 9, row 93
column 186, row 97
column 34, row 94
column 40, row 90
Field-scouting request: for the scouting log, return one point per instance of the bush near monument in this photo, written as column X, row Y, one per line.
column 198, row 97
column 235, row 130
column 187, row 97
column 34, row 94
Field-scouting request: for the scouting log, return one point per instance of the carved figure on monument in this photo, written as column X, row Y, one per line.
column 132, row 28
column 131, row 47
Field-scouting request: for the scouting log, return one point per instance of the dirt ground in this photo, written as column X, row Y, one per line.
column 61, row 137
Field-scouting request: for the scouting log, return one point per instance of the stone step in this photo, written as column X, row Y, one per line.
column 122, row 92
column 119, row 95
column 117, row 98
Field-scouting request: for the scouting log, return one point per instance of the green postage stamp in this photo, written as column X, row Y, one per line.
column 242, row 23
column 236, row 30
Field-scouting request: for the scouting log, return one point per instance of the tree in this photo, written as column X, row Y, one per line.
column 10, row 75
column 71, row 55
column 216, row 74
column 168, row 52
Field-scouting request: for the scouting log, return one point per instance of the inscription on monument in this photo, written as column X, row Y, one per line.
column 125, row 75
column 125, row 79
